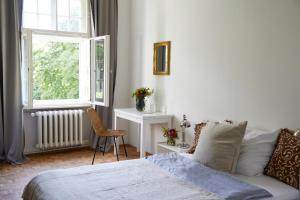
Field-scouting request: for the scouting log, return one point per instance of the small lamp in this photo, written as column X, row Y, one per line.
column 184, row 124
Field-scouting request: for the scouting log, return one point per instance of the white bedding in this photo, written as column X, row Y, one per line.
column 279, row 190
column 133, row 179
column 161, row 176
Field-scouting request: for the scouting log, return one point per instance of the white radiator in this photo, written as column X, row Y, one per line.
column 59, row 128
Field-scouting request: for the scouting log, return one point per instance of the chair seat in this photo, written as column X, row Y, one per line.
column 111, row 133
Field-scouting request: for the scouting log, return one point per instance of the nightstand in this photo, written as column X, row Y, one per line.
column 162, row 147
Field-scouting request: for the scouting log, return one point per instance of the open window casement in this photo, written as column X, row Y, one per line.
column 100, row 68
column 91, row 72
column 26, row 75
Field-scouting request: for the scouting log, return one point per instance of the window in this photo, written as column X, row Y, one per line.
column 100, row 69
column 60, row 15
column 61, row 64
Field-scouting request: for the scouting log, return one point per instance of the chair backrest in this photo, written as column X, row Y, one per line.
column 97, row 123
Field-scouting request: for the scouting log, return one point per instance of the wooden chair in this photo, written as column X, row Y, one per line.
column 102, row 131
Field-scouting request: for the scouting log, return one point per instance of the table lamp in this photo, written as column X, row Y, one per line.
column 184, row 124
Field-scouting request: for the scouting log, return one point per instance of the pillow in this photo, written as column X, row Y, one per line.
column 219, row 145
column 198, row 128
column 256, row 150
column 284, row 164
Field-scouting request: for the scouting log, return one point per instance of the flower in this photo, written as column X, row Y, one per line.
column 169, row 133
column 172, row 133
column 142, row 92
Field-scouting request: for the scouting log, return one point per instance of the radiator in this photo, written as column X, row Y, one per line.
column 59, row 128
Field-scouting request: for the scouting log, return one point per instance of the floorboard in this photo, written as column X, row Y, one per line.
column 14, row 178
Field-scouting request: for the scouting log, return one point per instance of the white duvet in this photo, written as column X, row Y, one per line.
column 134, row 179
column 161, row 176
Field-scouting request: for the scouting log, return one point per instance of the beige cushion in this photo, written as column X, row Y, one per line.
column 219, row 145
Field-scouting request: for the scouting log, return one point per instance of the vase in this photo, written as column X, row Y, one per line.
column 171, row 142
column 140, row 103
column 149, row 104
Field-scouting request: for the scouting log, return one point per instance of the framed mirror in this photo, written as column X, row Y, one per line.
column 161, row 58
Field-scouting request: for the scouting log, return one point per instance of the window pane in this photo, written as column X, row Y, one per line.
column 45, row 22
column 55, row 69
column 63, row 23
column 75, row 8
column 30, row 6
column 30, row 20
column 75, row 24
column 71, row 15
column 63, row 7
column 99, row 62
column 44, row 7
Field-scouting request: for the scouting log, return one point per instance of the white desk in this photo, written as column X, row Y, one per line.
column 143, row 119
column 162, row 147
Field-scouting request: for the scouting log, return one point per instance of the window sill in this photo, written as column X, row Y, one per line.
column 57, row 106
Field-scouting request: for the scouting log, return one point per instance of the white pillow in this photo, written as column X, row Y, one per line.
column 256, row 150
column 219, row 145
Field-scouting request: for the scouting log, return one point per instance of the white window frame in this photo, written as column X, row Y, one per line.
column 106, row 39
column 39, row 104
column 28, row 71
column 27, row 33
column 85, row 23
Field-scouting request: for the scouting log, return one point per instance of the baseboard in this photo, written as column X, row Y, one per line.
column 85, row 145
column 37, row 151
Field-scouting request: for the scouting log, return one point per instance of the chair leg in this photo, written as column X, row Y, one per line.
column 104, row 145
column 124, row 146
column 96, row 149
column 116, row 148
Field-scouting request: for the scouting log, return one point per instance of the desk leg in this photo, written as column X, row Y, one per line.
column 116, row 128
column 139, row 138
column 142, row 132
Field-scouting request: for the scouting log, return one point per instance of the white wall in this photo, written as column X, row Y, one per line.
column 123, row 71
column 230, row 59
column 123, row 79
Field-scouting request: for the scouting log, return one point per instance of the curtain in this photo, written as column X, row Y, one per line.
column 104, row 15
column 11, row 123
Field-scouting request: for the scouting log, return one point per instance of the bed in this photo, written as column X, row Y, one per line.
column 162, row 176
column 279, row 190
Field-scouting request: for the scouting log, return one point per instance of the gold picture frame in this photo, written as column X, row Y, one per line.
column 161, row 58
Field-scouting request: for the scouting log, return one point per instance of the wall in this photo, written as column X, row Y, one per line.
column 122, row 83
column 123, row 79
column 229, row 59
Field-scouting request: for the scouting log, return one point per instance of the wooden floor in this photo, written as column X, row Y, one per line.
column 14, row 178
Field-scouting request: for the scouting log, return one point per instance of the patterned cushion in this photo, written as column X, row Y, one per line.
column 198, row 128
column 284, row 164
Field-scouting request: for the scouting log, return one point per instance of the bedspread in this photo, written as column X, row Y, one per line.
column 140, row 179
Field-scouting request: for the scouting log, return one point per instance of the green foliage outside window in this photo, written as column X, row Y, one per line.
column 56, row 71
